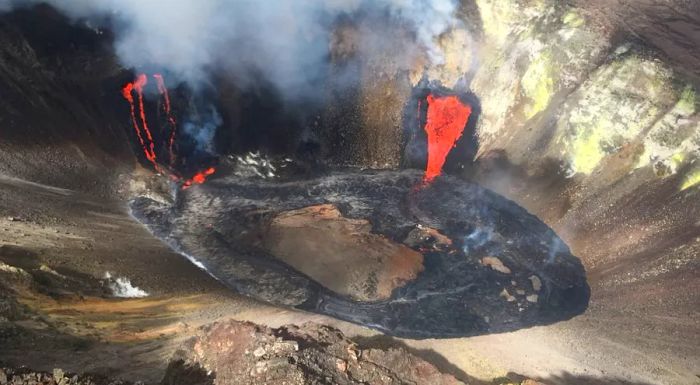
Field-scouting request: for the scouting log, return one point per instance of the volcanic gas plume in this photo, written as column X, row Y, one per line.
column 143, row 132
column 446, row 119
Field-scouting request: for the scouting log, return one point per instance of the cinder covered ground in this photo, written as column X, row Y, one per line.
column 589, row 119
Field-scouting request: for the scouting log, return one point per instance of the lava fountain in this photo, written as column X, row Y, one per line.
column 447, row 116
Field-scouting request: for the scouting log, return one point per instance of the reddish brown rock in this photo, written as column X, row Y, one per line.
column 225, row 353
column 341, row 253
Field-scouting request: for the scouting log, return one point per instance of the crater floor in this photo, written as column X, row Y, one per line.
column 462, row 260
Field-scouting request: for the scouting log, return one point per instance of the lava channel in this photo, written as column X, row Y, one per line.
column 163, row 90
column 143, row 133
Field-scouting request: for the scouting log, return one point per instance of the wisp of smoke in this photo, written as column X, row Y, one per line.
column 202, row 127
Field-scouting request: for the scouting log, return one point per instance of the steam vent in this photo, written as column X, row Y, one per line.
column 384, row 192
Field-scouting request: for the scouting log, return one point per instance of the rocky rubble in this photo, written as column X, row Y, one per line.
column 25, row 376
column 244, row 353
column 241, row 353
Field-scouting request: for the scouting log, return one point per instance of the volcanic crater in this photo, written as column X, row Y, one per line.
column 523, row 174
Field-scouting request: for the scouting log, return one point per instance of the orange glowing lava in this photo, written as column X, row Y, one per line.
column 143, row 133
column 147, row 142
column 198, row 178
column 171, row 120
column 446, row 119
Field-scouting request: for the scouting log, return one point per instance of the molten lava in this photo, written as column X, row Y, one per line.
column 171, row 120
column 127, row 92
column 139, row 83
column 143, row 133
column 198, row 178
column 446, row 119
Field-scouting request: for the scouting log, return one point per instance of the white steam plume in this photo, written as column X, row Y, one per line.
column 286, row 41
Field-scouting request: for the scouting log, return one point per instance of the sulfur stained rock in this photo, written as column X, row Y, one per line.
column 552, row 87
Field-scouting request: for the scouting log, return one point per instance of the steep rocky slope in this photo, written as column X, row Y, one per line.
column 60, row 124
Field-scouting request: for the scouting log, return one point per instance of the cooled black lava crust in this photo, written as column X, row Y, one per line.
column 456, row 295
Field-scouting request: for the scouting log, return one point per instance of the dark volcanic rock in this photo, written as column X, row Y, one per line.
column 489, row 266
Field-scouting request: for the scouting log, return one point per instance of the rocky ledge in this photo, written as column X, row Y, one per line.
column 245, row 353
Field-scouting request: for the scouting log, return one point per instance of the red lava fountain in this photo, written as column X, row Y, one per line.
column 447, row 117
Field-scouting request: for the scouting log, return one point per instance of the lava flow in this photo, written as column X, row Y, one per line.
column 198, row 178
column 143, row 133
column 171, row 120
column 446, row 119
column 147, row 142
